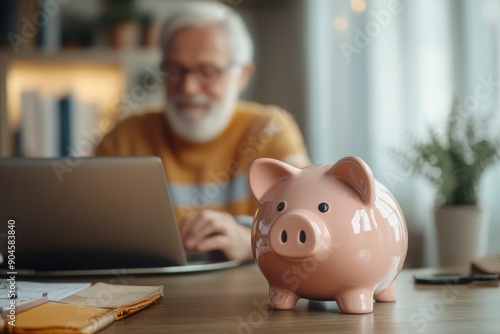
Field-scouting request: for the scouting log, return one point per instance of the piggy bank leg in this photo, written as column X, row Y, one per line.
column 355, row 302
column 281, row 299
column 387, row 295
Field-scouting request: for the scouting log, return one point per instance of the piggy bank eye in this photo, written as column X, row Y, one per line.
column 323, row 207
column 281, row 206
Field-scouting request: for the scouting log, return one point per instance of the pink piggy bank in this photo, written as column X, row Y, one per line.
column 326, row 232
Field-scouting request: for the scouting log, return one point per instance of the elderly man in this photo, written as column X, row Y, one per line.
column 205, row 137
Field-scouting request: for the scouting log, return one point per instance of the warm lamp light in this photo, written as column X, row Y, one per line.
column 93, row 82
column 358, row 6
column 341, row 23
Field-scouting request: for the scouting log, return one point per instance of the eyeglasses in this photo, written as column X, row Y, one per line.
column 205, row 73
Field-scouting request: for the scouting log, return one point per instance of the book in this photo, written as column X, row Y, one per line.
column 49, row 34
column 24, row 38
column 77, row 120
column 39, row 132
column 51, row 126
column 8, row 14
column 29, row 139
column 49, row 135
column 85, row 122
column 66, row 114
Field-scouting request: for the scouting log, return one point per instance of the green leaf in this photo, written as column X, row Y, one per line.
column 455, row 162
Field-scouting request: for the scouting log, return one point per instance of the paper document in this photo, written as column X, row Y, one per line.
column 124, row 299
column 34, row 290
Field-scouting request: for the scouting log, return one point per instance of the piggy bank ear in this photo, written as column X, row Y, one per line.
column 265, row 172
column 355, row 174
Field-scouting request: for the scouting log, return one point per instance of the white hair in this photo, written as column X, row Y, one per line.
column 200, row 13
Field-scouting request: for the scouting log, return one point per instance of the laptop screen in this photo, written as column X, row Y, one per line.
column 87, row 213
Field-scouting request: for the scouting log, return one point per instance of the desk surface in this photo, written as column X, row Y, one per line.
column 234, row 301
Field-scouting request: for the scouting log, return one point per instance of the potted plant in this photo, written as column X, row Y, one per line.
column 121, row 19
column 454, row 162
column 150, row 31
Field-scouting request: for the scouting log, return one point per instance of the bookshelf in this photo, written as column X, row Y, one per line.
column 115, row 82
column 58, row 53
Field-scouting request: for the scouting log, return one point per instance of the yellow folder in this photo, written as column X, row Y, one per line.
column 53, row 317
column 86, row 311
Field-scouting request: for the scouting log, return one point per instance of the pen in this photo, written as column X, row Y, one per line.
column 26, row 305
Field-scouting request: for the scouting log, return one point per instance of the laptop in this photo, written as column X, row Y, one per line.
column 91, row 216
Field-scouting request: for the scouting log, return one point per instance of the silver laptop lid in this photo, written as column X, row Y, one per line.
column 88, row 214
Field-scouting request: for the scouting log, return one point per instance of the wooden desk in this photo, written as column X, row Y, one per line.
column 234, row 301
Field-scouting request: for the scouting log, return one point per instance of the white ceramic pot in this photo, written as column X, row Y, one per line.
column 461, row 234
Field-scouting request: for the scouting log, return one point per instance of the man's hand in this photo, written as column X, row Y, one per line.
column 210, row 230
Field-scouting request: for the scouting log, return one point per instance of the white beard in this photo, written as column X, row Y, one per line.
column 205, row 123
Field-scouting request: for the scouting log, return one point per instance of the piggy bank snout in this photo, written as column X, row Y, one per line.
column 295, row 235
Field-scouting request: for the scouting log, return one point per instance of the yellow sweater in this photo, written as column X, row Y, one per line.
column 214, row 174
